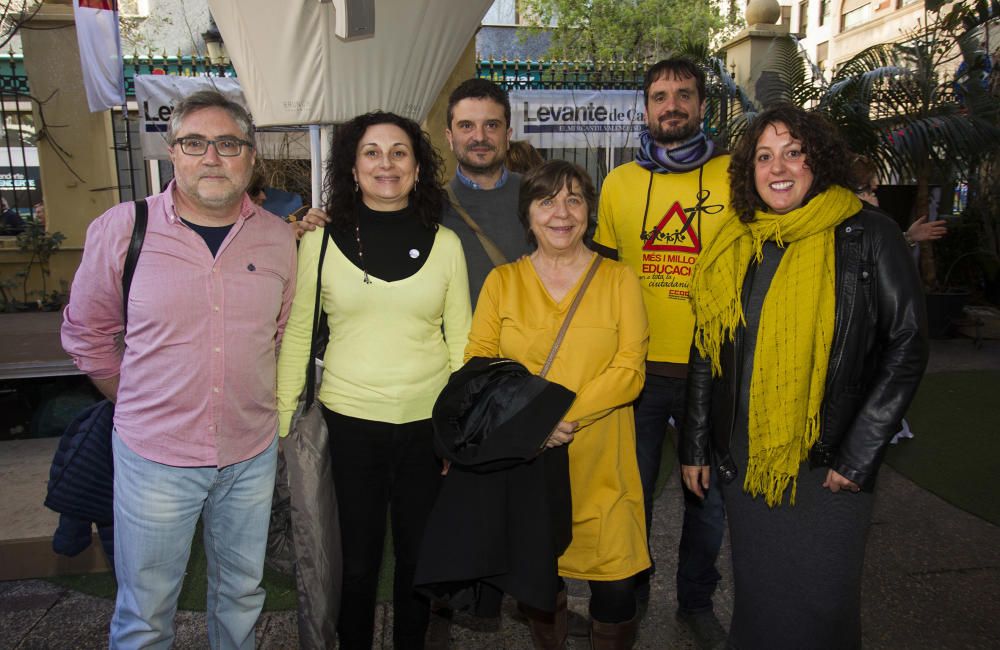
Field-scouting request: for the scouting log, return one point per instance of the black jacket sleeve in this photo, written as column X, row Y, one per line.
column 901, row 349
column 696, row 434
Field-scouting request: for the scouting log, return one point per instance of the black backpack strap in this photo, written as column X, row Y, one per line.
column 317, row 308
column 134, row 248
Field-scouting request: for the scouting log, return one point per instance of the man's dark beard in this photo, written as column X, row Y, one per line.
column 472, row 167
column 667, row 137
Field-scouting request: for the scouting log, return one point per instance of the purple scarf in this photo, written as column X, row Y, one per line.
column 691, row 155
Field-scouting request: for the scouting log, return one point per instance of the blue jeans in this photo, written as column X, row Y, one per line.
column 156, row 510
column 704, row 521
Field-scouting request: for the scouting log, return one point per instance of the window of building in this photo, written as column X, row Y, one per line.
column 502, row 12
column 20, row 176
column 822, row 54
column 803, row 17
column 786, row 16
column 855, row 15
column 824, row 11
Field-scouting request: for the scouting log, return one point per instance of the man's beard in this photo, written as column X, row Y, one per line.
column 667, row 136
column 469, row 165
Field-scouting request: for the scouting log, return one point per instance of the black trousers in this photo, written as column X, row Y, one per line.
column 612, row 601
column 379, row 466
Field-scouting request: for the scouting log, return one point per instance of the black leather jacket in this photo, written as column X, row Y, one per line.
column 878, row 356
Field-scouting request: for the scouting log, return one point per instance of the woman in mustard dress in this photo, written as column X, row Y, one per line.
column 520, row 310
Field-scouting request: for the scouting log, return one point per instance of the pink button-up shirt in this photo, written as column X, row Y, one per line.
column 198, row 367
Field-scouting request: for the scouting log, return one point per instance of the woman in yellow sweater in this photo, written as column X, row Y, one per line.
column 395, row 291
column 520, row 310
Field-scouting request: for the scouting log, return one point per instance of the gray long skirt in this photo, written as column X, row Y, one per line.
column 797, row 569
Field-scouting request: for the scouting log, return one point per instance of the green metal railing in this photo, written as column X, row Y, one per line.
column 14, row 79
column 181, row 66
column 562, row 75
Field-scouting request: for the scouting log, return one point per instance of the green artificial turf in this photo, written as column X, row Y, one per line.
column 955, row 451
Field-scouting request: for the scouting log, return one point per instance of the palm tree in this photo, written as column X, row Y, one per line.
column 797, row 80
column 930, row 118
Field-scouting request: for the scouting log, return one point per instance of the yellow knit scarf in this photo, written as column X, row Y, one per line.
column 794, row 335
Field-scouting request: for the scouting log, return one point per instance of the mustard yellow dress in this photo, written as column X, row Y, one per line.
column 602, row 359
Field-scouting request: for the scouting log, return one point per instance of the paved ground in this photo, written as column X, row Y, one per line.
column 932, row 578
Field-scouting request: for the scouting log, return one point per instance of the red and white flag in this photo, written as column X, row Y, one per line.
column 100, row 52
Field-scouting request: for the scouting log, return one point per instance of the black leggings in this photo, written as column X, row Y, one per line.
column 379, row 466
column 612, row 601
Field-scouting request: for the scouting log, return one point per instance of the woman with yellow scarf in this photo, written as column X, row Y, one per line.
column 809, row 345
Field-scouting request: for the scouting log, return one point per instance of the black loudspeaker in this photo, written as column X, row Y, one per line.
column 355, row 18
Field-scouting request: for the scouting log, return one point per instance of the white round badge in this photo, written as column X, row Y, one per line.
column 414, row 253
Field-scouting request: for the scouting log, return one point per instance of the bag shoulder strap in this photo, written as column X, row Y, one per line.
column 134, row 248
column 569, row 314
column 492, row 250
column 314, row 340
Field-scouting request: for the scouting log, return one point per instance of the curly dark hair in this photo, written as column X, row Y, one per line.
column 340, row 198
column 826, row 154
column 548, row 180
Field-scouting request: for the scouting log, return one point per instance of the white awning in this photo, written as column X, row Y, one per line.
column 294, row 69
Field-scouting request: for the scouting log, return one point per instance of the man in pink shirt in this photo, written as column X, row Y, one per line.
column 193, row 380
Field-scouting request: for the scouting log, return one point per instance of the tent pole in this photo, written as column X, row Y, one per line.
column 316, row 156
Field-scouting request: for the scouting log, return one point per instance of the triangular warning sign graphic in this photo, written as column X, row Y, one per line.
column 678, row 238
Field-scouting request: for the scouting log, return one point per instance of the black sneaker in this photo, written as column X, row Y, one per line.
column 705, row 628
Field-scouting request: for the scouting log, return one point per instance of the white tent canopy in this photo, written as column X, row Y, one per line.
column 295, row 70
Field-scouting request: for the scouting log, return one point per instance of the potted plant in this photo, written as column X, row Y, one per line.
column 39, row 245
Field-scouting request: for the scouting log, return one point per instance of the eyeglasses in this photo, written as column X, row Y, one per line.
column 225, row 147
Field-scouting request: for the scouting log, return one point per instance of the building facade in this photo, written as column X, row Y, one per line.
column 832, row 31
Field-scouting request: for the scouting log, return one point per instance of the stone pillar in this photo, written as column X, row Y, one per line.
column 52, row 63
column 752, row 53
column 436, row 121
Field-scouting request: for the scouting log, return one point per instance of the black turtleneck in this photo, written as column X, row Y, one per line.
column 395, row 245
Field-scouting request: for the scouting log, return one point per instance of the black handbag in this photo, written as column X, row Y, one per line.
column 81, row 477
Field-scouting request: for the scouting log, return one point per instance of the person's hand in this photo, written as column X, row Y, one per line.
column 312, row 220
column 922, row 230
column 836, row 482
column 445, row 466
column 561, row 435
column 696, row 478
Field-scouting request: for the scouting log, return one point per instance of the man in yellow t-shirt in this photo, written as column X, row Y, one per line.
column 656, row 214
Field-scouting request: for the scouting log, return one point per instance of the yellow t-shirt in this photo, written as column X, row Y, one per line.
column 659, row 224
column 601, row 359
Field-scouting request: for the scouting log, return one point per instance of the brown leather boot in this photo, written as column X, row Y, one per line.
column 548, row 629
column 613, row 636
